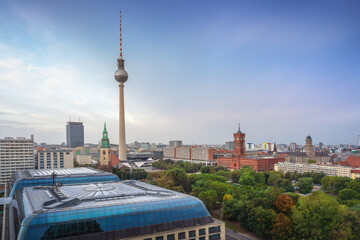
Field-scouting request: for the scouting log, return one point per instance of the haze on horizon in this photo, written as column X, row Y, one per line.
column 283, row 69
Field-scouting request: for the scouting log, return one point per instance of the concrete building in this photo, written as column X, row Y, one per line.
column 175, row 143
column 16, row 154
column 121, row 76
column 145, row 146
column 169, row 152
column 328, row 170
column 74, row 134
column 203, row 155
column 84, row 159
column 183, row 153
column 53, row 159
column 229, row 145
column 107, row 210
column 359, row 141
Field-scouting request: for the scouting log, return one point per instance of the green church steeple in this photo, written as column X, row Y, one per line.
column 105, row 140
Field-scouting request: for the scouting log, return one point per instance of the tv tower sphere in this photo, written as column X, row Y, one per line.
column 120, row 74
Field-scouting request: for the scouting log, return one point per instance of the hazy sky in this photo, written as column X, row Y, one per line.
column 282, row 69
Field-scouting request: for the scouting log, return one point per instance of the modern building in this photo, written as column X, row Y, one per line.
column 175, row 143
column 109, row 210
column 55, row 159
column 359, row 141
column 84, row 159
column 292, row 146
column 229, row 145
column 121, row 76
column 145, row 146
column 133, row 156
column 74, row 134
column 16, row 154
column 44, row 177
column 327, row 169
column 238, row 159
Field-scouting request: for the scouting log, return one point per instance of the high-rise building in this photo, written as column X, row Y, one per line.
column 121, row 77
column 359, row 140
column 74, row 134
column 175, row 143
column 292, row 146
column 55, row 159
column 16, row 154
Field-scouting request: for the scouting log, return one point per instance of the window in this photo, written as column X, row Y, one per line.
column 181, row 235
column 192, row 233
column 214, row 229
column 159, row 238
column 171, row 237
column 201, row 238
column 202, row 232
column 214, row 237
column 148, row 239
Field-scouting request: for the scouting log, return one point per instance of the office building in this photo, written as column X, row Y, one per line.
column 359, row 140
column 16, row 154
column 74, row 134
column 292, row 146
column 55, row 159
column 175, row 143
column 229, row 145
column 202, row 155
column 109, row 210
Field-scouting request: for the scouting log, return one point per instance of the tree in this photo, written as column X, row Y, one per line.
column 310, row 161
column 259, row 178
column 327, row 184
column 340, row 184
column 284, row 204
column 247, row 179
column 347, row 194
column 305, row 185
column 261, row 221
column 235, row 175
column 283, row 228
column 354, row 185
column 274, row 177
column 179, row 177
column 285, row 184
column 205, row 169
column 209, row 198
column 319, row 216
column 138, row 174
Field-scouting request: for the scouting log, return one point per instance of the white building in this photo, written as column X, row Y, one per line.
column 16, row 154
column 328, row 170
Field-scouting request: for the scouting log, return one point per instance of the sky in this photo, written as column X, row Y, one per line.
column 282, row 69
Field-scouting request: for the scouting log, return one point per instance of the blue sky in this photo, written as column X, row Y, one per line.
column 282, row 69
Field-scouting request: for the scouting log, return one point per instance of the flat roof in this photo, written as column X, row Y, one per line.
column 60, row 172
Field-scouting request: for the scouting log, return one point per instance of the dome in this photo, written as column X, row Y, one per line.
column 308, row 137
column 121, row 75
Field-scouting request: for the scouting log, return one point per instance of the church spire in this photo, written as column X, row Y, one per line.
column 105, row 139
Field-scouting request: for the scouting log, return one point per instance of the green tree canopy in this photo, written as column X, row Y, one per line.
column 305, row 185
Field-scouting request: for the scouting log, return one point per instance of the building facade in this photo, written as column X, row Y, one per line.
column 328, row 170
column 16, row 154
column 74, row 134
column 55, row 159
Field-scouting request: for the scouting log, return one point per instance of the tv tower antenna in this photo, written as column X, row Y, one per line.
column 120, row 38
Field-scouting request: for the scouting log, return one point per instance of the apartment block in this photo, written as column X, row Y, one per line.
column 16, row 154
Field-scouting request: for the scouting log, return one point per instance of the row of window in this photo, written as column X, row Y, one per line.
column 192, row 235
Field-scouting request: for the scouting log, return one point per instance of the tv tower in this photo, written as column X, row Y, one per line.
column 121, row 76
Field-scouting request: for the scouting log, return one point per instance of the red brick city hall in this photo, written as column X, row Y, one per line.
column 237, row 160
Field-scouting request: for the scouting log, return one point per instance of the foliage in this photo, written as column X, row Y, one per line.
column 347, row 194
column 209, row 198
column 305, row 185
column 310, row 161
column 284, row 203
column 273, row 178
column 283, row 228
column 247, row 179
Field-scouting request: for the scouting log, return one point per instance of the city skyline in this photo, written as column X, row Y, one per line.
column 283, row 70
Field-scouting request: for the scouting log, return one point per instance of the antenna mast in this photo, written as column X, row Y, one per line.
column 120, row 38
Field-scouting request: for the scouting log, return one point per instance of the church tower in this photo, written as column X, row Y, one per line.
column 105, row 148
column 309, row 149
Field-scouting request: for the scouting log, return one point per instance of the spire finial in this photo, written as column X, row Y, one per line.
column 120, row 38
column 239, row 126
